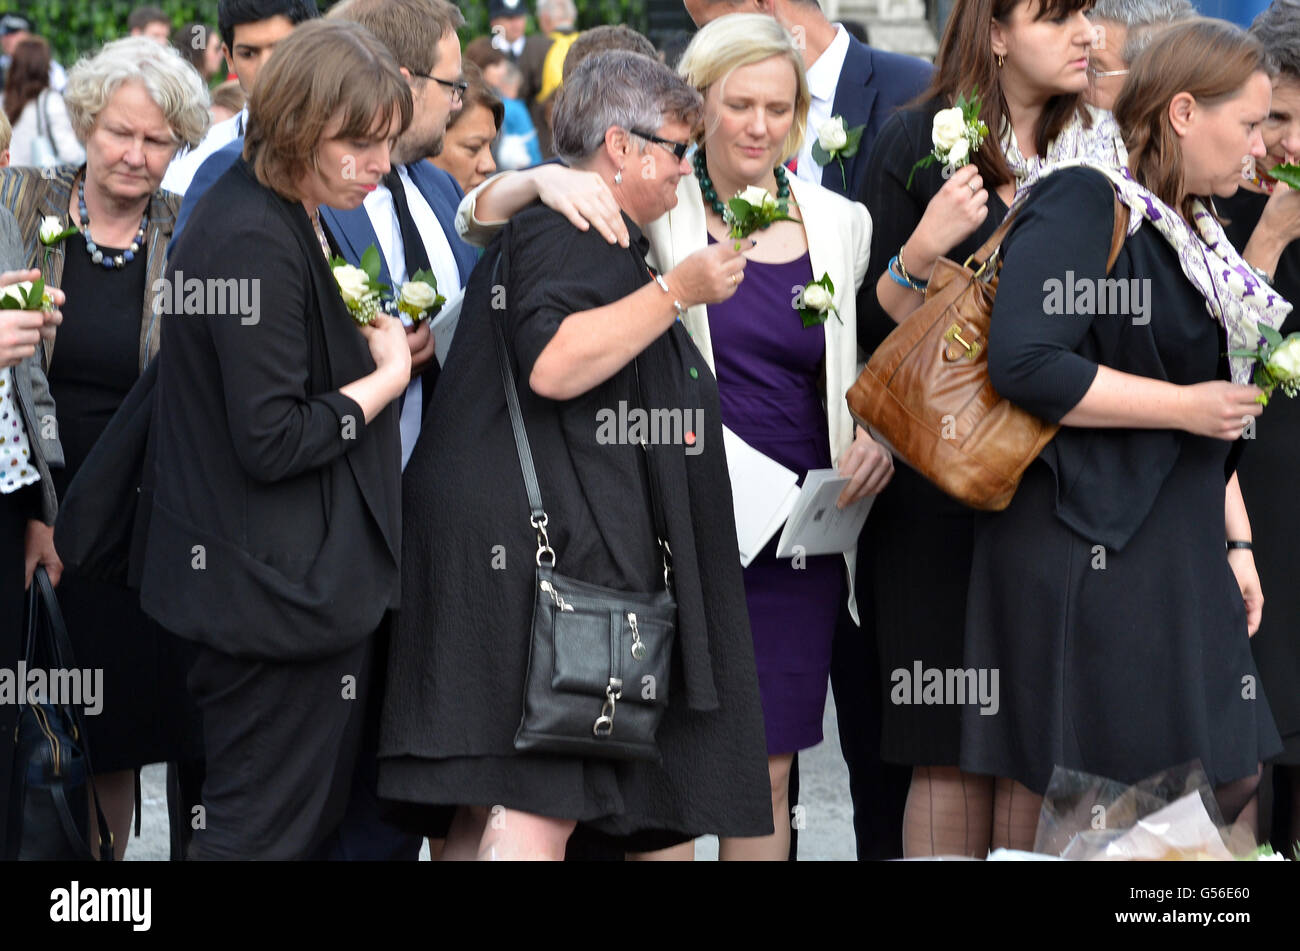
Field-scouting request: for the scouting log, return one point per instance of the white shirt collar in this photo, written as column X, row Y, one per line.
column 824, row 74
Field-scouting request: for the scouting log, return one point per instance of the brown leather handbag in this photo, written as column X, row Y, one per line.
column 926, row 394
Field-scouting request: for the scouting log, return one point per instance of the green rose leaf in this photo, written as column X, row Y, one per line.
column 1287, row 174
column 370, row 262
column 819, row 154
column 1269, row 334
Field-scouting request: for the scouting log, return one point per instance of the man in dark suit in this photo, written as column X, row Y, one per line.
column 865, row 86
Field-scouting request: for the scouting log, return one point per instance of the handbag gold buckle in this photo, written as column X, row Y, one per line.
column 604, row 725
column 953, row 335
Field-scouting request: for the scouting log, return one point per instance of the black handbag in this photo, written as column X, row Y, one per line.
column 598, row 664
column 52, row 775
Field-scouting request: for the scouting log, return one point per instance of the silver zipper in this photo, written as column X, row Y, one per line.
column 555, row 596
column 638, row 645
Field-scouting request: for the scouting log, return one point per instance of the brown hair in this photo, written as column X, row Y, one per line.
column 966, row 61
column 29, row 75
column 1210, row 59
column 477, row 94
column 411, row 29
column 482, row 53
column 601, row 38
column 322, row 70
column 229, row 95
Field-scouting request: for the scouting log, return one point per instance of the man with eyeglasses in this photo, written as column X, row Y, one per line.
column 1120, row 30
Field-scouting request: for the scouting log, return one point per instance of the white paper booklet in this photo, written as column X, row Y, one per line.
column 444, row 324
column 817, row 526
column 763, row 493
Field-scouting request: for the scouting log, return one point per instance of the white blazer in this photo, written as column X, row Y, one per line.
column 839, row 241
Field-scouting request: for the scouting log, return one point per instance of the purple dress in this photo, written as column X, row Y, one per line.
column 768, row 367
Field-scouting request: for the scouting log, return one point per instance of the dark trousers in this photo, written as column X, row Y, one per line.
column 878, row 789
column 281, row 743
column 367, row 833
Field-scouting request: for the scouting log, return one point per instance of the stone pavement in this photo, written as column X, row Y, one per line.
column 827, row 832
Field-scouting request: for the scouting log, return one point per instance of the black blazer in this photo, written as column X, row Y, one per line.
column 274, row 524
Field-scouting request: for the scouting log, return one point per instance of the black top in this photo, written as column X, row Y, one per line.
column 896, row 210
column 275, row 529
column 96, row 361
column 1044, row 358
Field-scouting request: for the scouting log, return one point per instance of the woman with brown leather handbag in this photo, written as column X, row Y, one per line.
column 1104, row 596
column 1026, row 60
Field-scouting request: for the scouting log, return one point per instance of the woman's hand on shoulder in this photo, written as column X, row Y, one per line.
column 868, row 465
column 583, row 198
column 955, row 213
column 711, row 274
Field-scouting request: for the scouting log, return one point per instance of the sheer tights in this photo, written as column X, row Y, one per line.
column 948, row 813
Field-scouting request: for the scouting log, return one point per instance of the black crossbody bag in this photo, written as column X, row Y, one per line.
column 598, row 664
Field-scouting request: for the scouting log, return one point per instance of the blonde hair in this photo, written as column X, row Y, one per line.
column 172, row 83
column 742, row 39
column 6, row 132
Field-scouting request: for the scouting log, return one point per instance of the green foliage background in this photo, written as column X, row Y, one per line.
column 74, row 27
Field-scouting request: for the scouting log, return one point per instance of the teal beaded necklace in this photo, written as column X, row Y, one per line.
column 711, row 193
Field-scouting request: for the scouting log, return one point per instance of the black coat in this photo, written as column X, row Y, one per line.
column 460, row 646
column 275, row 526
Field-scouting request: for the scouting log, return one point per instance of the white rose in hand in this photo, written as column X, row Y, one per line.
column 949, row 128
column 816, row 297
column 354, row 283
column 959, row 154
column 1284, row 364
column 51, row 226
column 831, row 135
column 418, row 295
column 758, row 197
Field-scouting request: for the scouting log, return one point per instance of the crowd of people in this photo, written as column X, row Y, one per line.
column 336, row 582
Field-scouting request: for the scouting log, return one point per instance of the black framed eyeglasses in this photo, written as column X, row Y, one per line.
column 677, row 148
column 455, row 89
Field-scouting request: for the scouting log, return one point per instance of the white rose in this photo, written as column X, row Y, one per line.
column 354, row 283
column 418, row 295
column 816, row 297
column 959, row 153
column 50, row 226
column 831, row 135
column 758, row 197
column 949, row 127
column 1285, row 361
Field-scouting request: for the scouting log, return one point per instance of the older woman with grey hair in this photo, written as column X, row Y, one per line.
column 1262, row 220
column 99, row 232
column 588, row 330
column 1121, row 30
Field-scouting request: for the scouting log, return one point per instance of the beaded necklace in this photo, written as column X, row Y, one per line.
column 117, row 261
column 711, row 193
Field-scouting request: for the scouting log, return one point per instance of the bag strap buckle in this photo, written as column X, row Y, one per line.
column 971, row 350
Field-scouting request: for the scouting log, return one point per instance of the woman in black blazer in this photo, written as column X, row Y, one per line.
column 274, row 530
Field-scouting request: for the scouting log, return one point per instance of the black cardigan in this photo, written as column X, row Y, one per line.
column 275, row 524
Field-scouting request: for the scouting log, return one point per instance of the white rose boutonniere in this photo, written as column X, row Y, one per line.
column 837, row 142
column 754, row 208
column 816, row 301
column 26, row 295
column 1277, row 362
column 419, row 297
column 360, row 287
column 956, row 134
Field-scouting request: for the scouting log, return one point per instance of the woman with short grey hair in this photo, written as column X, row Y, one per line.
column 1262, row 220
column 99, row 232
column 587, row 330
column 1121, row 30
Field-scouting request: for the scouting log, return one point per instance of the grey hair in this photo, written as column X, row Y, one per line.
column 172, row 83
column 1142, row 18
column 1278, row 30
column 620, row 89
column 562, row 11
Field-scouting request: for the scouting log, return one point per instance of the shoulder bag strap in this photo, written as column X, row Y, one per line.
column 537, row 514
column 661, row 525
column 42, row 596
column 1119, row 234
